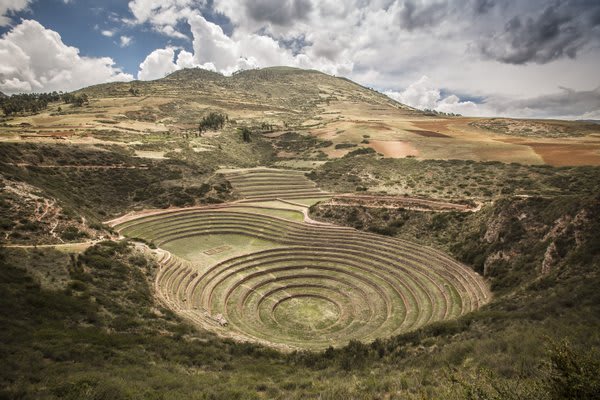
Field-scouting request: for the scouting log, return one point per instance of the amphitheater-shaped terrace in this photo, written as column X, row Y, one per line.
column 259, row 270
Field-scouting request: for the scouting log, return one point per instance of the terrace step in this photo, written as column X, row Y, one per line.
column 396, row 285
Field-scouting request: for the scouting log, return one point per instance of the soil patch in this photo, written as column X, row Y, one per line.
column 561, row 154
column 394, row 148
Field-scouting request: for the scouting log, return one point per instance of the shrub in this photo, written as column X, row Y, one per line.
column 345, row 145
column 213, row 121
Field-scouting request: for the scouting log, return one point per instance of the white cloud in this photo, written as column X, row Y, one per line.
column 11, row 6
column 125, row 41
column 163, row 15
column 422, row 94
column 35, row 59
column 158, row 64
column 107, row 33
column 213, row 49
column 162, row 62
column 564, row 104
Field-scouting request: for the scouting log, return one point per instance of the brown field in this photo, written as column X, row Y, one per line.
column 561, row 153
column 394, row 149
column 397, row 133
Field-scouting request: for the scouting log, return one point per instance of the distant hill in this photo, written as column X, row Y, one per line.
column 290, row 93
column 333, row 116
column 3, row 96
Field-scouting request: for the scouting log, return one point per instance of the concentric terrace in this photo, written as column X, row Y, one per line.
column 263, row 271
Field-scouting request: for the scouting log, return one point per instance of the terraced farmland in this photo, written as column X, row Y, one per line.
column 255, row 273
column 266, row 184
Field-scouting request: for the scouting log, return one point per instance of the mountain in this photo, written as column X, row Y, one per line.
column 291, row 95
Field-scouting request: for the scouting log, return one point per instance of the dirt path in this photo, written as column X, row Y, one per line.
column 74, row 166
column 395, row 202
column 73, row 247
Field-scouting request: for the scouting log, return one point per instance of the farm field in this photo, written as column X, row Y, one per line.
column 397, row 134
column 253, row 272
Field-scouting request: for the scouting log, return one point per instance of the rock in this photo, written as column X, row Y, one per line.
column 221, row 320
column 550, row 258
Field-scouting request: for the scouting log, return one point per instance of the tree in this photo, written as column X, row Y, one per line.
column 79, row 101
column 30, row 102
column 246, row 132
column 213, row 121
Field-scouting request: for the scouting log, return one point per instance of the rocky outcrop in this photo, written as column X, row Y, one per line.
column 550, row 258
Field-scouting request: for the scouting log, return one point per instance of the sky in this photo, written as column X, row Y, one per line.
column 517, row 58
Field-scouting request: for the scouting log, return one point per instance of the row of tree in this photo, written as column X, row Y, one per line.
column 36, row 102
column 428, row 111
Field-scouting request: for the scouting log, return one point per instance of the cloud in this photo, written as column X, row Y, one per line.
column 8, row 7
column 278, row 12
column 162, row 62
column 107, row 33
column 252, row 15
column 214, row 50
column 158, row 64
column 564, row 104
column 163, row 15
column 560, row 30
column 35, row 59
column 414, row 15
column 125, row 41
column 423, row 95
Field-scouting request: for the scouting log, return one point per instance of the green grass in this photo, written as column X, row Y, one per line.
column 292, row 215
column 306, row 313
column 193, row 248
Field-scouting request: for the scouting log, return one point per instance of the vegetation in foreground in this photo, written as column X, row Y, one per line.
column 88, row 327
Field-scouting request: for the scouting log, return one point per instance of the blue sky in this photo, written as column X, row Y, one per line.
column 81, row 22
column 523, row 58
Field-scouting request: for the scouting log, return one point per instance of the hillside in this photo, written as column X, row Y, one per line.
column 286, row 234
column 336, row 114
